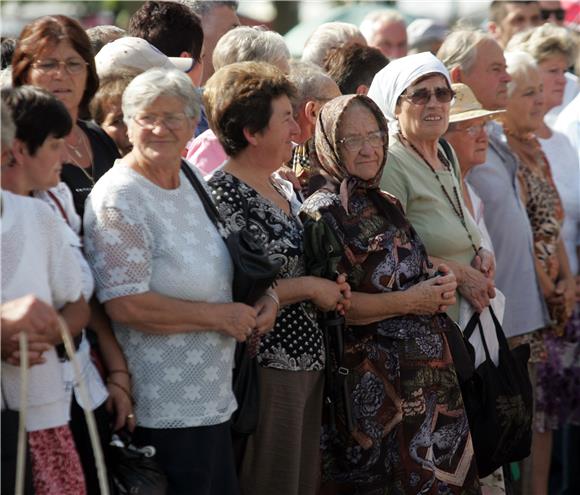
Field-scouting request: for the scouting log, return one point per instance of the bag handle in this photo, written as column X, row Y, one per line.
column 208, row 205
column 21, row 449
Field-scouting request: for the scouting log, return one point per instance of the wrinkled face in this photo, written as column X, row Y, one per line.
column 217, row 22
column 525, row 109
column 424, row 121
column 361, row 152
column 519, row 17
column 115, row 128
column 391, row 39
column 488, row 78
column 42, row 169
column 160, row 144
column 276, row 139
column 552, row 70
column 469, row 140
column 68, row 88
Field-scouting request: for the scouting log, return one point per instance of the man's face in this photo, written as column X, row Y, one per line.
column 488, row 77
column 519, row 17
column 217, row 22
column 391, row 39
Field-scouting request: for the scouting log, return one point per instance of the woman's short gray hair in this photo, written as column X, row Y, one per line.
column 460, row 49
column 327, row 36
column 544, row 42
column 519, row 64
column 251, row 44
column 151, row 84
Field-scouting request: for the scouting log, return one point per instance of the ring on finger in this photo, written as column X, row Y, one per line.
column 130, row 416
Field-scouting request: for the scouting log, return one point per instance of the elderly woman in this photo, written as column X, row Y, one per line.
column 415, row 95
column 524, row 116
column 165, row 276
column 403, row 387
column 55, row 53
column 249, row 108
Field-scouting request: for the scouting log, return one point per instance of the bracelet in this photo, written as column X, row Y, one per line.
column 127, row 393
column 124, row 372
column 272, row 295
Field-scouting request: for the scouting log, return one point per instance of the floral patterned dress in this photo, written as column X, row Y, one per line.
column 411, row 433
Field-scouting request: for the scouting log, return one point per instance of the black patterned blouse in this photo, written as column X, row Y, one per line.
column 296, row 342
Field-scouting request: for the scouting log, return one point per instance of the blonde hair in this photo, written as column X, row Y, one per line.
column 544, row 42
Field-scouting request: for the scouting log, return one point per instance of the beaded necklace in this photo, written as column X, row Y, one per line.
column 455, row 205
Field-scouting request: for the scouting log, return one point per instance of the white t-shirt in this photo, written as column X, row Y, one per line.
column 60, row 200
column 37, row 259
column 571, row 90
column 563, row 159
column 139, row 238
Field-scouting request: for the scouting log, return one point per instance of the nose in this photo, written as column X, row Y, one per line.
column 294, row 128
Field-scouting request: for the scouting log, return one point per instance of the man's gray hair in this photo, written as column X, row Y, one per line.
column 374, row 20
column 99, row 36
column 519, row 66
column 202, row 8
column 460, row 49
column 8, row 127
column 154, row 83
column 310, row 81
column 250, row 44
column 327, row 36
column 545, row 41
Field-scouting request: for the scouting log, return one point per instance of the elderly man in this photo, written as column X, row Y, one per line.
column 475, row 59
column 387, row 31
column 217, row 18
column 509, row 18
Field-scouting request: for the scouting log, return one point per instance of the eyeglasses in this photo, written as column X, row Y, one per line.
column 559, row 14
column 354, row 143
column 173, row 122
column 423, row 96
column 50, row 65
column 473, row 130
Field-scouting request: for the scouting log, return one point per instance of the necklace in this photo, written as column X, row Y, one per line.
column 455, row 205
column 81, row 141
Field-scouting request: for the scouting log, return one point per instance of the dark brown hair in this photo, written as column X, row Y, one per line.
column 47, row 32
column 239, row 96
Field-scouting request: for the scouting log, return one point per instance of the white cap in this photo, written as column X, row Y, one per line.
column 136, row 53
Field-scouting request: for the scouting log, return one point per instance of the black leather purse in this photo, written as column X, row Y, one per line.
column 254, row 273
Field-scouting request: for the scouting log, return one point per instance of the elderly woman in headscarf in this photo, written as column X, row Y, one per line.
column 415, row 95
column 407, row 431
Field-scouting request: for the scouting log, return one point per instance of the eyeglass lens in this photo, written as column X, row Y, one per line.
column 423, row 95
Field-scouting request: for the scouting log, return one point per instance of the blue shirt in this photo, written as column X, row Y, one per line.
column 507, row 222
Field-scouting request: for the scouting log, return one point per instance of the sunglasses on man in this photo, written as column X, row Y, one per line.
column 558, row 14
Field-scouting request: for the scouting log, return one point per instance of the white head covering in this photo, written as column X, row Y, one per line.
column 390, row 82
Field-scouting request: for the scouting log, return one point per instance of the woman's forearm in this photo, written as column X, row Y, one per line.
column 369, row 308
column 565, row 273
column 113, row 356
column 76, row 315
column 293, row 290
column 155, row 313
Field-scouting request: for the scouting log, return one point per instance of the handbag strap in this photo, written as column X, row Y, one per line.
column 208, row 205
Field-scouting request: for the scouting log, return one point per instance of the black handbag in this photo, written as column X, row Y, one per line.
column 501, row 423
column 254, row 273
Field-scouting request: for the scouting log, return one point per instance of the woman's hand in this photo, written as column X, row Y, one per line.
column 267, row 310
column 120, row 402
column 331, row 296
column 484, row 261
column 476, row 287
column 434, row 295
column 237, row 320
column 564, row 294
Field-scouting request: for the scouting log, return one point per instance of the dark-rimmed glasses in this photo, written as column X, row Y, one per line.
column 354, row 143
column 423, row 95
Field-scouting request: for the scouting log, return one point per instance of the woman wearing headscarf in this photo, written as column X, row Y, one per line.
column 415, row 95
column 409, row 433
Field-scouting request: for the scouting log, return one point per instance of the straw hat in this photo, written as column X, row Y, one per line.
column 466, row 106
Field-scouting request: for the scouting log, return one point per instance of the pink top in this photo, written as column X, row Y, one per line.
column 206, row 153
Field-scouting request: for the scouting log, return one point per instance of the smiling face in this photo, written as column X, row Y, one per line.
column 276, row 139
column 428, row 121
column 68, row 88
column 364, row 161
column 160, row 145
column 552, row 71
column 469, row 140
column 488, row 77
column 525, row 109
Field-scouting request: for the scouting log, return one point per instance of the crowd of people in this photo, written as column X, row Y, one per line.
column 404, row 178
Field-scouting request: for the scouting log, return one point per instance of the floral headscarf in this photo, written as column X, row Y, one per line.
column 331, row 169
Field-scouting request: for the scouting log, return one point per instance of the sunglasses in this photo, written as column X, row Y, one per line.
column 559, row 14
column 423, row 96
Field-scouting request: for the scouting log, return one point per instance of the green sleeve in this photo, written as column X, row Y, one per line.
column 395, row 180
